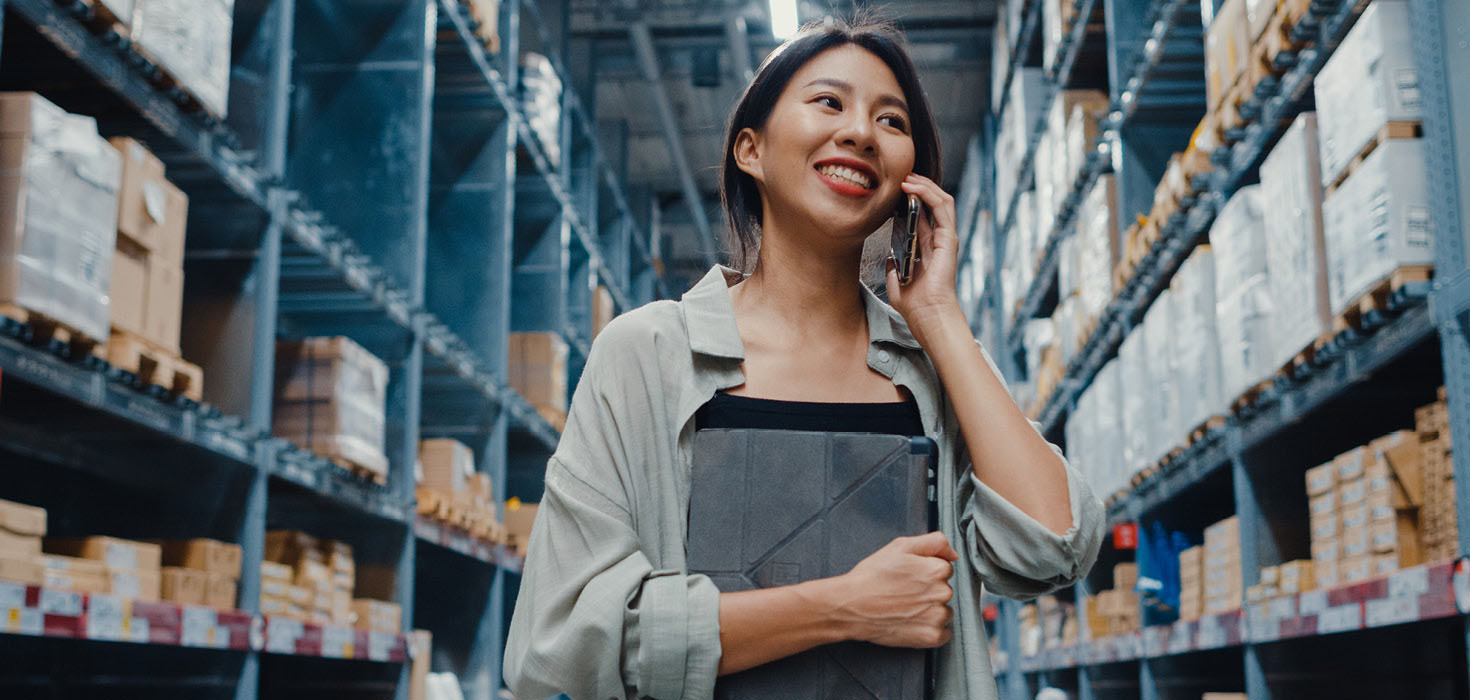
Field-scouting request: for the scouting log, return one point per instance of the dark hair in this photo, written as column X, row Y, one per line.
column 738, row 193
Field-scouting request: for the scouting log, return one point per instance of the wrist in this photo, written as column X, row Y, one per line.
column 934, row 321
column 827, row 598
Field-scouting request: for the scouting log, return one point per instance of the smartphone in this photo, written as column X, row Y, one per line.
column 905, row 244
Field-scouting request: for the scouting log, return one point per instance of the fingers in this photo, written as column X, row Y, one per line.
column 895, row 290
column 940, row 203
column 933, row 544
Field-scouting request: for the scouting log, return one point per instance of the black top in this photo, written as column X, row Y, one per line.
column 731, row 411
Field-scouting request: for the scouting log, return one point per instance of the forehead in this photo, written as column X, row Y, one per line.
column 851, row 64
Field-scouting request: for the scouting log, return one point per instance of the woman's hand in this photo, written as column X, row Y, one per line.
column 931, row 292
column 899, row 595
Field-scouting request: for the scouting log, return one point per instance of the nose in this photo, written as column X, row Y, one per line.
column 857, row 133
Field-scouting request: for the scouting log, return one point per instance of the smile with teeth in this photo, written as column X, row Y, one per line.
column 848, row 175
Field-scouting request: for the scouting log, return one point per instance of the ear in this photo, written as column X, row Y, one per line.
column 747, row 153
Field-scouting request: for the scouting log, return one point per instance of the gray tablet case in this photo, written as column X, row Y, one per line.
column 777, row 507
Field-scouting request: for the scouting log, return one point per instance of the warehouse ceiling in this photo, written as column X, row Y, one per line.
column 693, row 40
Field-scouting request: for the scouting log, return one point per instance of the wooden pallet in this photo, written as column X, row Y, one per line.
column 1376, row 298
column 432, row 504
column 1200, row 431
column 155, row 366
column 1249, row 397
column 103, row 18
column 1390, row 130
column 45, row 330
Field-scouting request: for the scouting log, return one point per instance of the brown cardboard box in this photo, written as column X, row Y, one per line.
column 447, row 463
column 1353, row 515
column 128, row 289
column 1323, row 526
column 21, row 519
column 1326, row 549
column 300, row 596
column 1296, row 576
column 486, row 14
column 1227, row 48
column 538, row 369
column 219, row 591
column 291, row 547
column 203, row 555
column 1350, row 464
column 138, row 584
column 1355, row 541
column 165, row 316
column 1356, row 568
column 1399, row 536
column 185, row 586
column 13, row 546
column 76, row 565
column 151, row 211
column 1326, row 572
column 603, row 309
column 421, row 644
column 76, row 581
column 1351, row 491
column 26, row 572
column 1381, row 563
column 275, row 571
column 481, row 490
column 117, row 553
column 1404, row 455
column 1323, row 503
column 1223, row 535
column 1125, row 576
column 1192, row 563
column 518, row 520
column 377, row 614
column 1380, row 504
column 1321, row 479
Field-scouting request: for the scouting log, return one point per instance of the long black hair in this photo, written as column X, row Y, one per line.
column 738, row 193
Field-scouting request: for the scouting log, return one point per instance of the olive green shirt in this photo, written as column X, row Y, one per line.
column 607, row 608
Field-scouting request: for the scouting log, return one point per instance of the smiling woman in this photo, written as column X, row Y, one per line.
column 831, row 134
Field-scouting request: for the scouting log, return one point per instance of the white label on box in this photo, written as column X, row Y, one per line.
column 198, row 626
column 1409, row 583
column 380, row 644
column 1340, row 619
column 126, row 584
column 1313, row 603
column 22, row 620
column 1210, row 633
column 139, row 630
column 1418, row 227
column 61, row 603
column 1406, row 86
column 281, row 635
column 1391, row 611
column 1260, row 625
column 337, row 642
column 105, row 617
column 221, row 637
column 1283, row 608
column 121, row 556
column 12, row 595
column 1180, row 637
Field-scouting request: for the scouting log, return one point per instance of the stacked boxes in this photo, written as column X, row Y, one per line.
column 486, row 14
column 1223, row 577
column 519, row 517
column 21, row 530
column 449, row 478
column 1097, row 248
column 307, row 579
column 1296, row 250
column 603, row 309
column 538, row 371
column 191, row 40
column 1195, row 343
column 331, row 398
column 1362, row 510
column 1227, row 48
column 201, row 572
column 1191, row 583
column 58, row 206
column 1165, row 428
column 1441, row 538
column 148, row 263
column 541, row 100
column 1116, row 610
column 1370, row 80
column 1135, row 365
column 1243, row 305
column 1290, row 578
column 1058, row 158
column 100, row 564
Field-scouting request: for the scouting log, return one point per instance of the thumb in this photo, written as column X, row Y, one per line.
column 933, row 544
column 891, row 274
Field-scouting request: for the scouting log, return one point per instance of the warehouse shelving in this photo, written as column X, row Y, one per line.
column 1364, row 382
column 280, row 243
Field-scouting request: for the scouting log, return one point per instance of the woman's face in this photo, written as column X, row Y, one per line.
column 836, row 146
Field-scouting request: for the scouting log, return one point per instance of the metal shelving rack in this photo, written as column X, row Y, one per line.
column 376, row 178
column 1390, row 366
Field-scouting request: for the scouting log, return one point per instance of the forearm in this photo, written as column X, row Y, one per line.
column 761, row 626
column 1005, row 452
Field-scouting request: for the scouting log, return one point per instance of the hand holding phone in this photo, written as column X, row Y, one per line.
column 905, row 244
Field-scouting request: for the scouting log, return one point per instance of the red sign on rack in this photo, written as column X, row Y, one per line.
column 1125, row 536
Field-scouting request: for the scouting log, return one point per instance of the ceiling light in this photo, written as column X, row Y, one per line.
column 783, row 18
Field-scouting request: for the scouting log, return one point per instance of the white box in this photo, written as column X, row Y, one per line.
column 1165, row 430
column 190, row 39
column 1195, row 341
column 1370, row 79
column 1133, row 383
column 1108, row 445
column 1243, row 306
column 1377, row 220
column 1097, row 246
column 1295, row 261
column 1067, row 262
column 1023, row 109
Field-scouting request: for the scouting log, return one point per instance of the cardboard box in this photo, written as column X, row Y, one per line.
column 185, row 586
column 1326, row 549
column 74, row 565
column 151, row 211
column 1223, row 535
column 77, row 581
column 1223, row 696
column 331, row 398
column 421, row 644
column 378, row 615
column 340, row 559
column 376, row 582
column 116, row 553
column 1327, row 572
column 204, row 555
column 1192, row 562
column 26, row 572
column 447, row 464
column 1353, row 515
column 1356, row 568
column 1125, row 576
column 1399, row 536
column 138, row 584
column 518, row 520
column 275, row 571
column 1321, row 479
column 220, row 591
column 603, row 309
column 191, row 40
column 129, row 290
column 1381, row 563
column 21, row 519
column 1322, row 504
column 1381, row 503
column 1227, row 47
column 1354, row 541
column 1323, row 526
column 1369, row 80
column 1402, row 453
column 14, row 546
column 538, row 369
column 1350, row 464
column 1296, row 576
column 291, row 547
column 164, row 322
column 1351, row 492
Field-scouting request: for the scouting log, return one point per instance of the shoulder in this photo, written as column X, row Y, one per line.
column 639, row 338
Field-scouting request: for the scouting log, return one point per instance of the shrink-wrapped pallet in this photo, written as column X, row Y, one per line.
column 1046, row 188
column 331, row 399
column 58, row 213
column 191, row 40
column 1295, row 261
column 1082, row 122
column 1370, row 79
column 1025, row 227
column 1377, row 220
column 1243, row 305
column 1010, row 148
column 1097, row 247
column 1067, row 267
column 1065, row 320
column 1109, row 438
column 1195, row 341
column 1165, row 429
column 541, row 93
column 1133, row 389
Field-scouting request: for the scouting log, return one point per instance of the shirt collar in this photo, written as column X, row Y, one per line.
column 709, row 317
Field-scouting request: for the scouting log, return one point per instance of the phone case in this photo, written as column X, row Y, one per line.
column 777, row 507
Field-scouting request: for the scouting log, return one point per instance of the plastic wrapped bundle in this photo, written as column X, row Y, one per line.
column 1025, row 227
column 1108, row 446
column 1046, row 188
column 1165, row 429
column 1067, row 262
column 1065, row 320
column 1370, row 79
column 331, row 399
column 541, row 100
column 1243, row 306
column 1377, row 221
column 1097, row 247
column 1133, row 386
column 59, row 194
column 1195, row 342
column 1296, row 260
column 191, row 39
column 1082, row 121
column 1010, row 148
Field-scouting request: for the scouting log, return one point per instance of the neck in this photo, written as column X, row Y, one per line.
column 810, row 287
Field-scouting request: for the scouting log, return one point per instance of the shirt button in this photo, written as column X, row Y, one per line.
column 883, row 355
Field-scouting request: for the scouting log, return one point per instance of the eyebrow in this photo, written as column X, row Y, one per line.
column 885, row 99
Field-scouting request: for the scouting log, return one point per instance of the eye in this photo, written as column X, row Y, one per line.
column 896, row 122
column 829, row 101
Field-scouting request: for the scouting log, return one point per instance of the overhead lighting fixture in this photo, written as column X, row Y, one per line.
column 784, row 21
